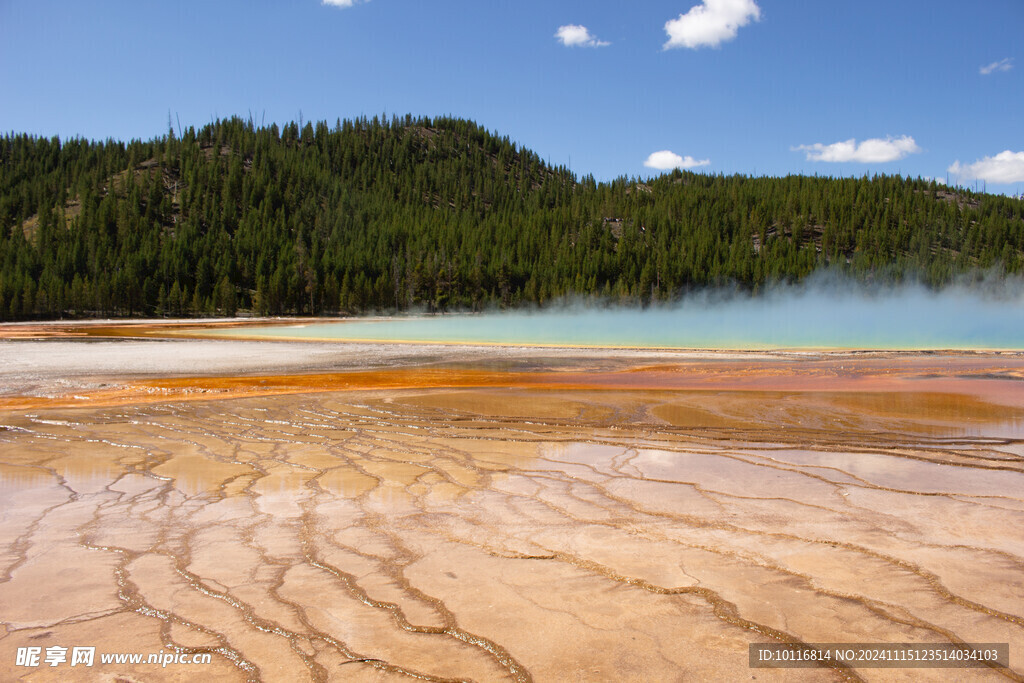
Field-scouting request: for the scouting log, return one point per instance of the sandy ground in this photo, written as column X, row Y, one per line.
column 306, row 511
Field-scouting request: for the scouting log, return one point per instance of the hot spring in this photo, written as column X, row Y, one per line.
column 843, row 317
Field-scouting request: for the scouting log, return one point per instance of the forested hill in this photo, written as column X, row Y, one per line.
column 437, row 214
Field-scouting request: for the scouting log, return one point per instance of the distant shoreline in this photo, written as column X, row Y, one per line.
column 196, row 328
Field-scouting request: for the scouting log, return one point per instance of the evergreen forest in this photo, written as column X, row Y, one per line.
column 438, row 214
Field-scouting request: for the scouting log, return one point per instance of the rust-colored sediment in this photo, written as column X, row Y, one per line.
column 994, row 377
column 71, row 329
column 634, row 524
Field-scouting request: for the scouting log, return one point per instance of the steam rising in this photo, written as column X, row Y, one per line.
column 824, row 312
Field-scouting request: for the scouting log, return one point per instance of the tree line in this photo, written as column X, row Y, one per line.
column 437, row 214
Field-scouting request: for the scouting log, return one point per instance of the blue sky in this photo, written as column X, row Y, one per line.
column 766, row 87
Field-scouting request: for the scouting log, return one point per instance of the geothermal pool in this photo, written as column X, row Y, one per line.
column 906, row 319
column 459, row 513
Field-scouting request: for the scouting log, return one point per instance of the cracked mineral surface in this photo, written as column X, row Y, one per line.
column 556, row 518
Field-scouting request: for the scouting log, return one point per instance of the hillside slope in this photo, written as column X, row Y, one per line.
column 439, row 214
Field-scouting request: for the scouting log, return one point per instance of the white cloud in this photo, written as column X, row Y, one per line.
column 711, row 23
column 872, row 151
column 574, row 35
column 342, row 3
column 666, row 161
column 1001, row 65
column 1004, row 168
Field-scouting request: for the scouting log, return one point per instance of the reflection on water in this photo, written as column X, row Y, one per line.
column 23, row 478
column 899, row 414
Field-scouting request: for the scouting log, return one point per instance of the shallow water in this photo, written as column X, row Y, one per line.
column 519, row 532
column 906, row 319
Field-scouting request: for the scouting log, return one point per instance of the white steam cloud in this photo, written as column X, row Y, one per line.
column 666, row 160
column 1001, row 65
column 710, row 23
column 827, row 310
column 342, row 3
column 871, row 151
column 574, row 35
column 1005, row 167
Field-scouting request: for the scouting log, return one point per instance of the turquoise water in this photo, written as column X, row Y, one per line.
column 909, row 319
